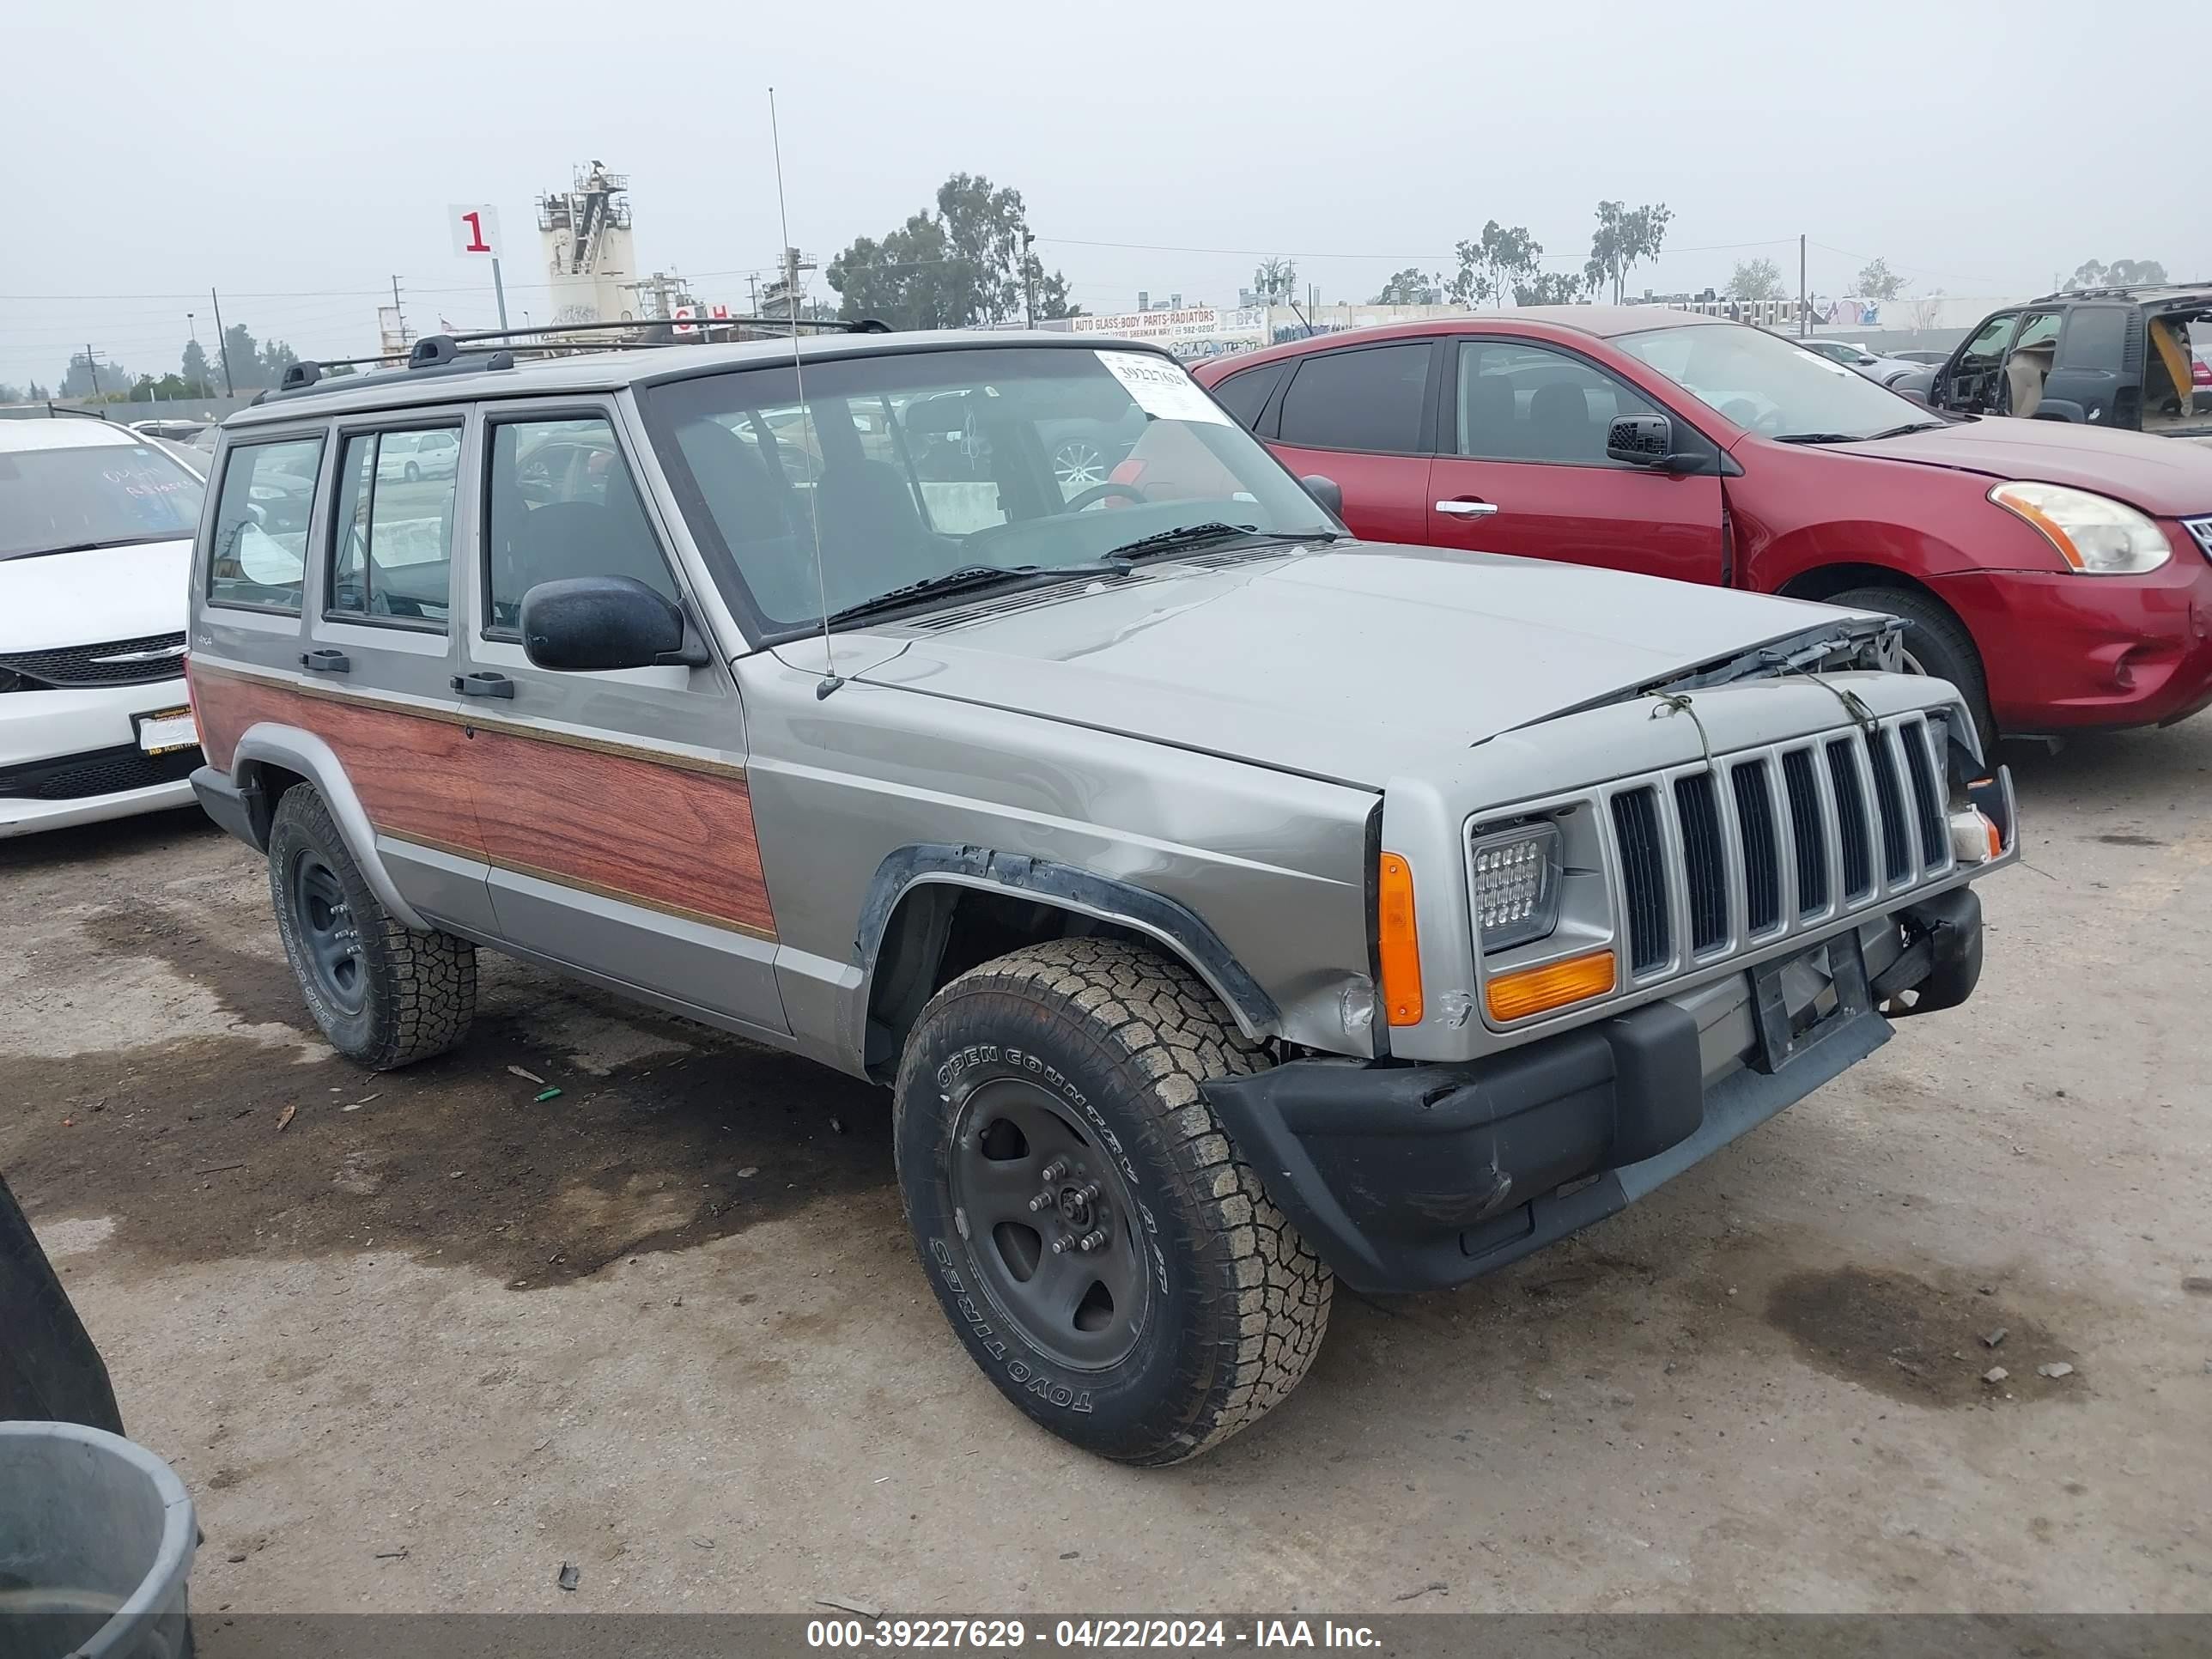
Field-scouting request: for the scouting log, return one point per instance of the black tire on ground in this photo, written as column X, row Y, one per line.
column 409, row 995
column 1098, row 1046
column 1937, row 642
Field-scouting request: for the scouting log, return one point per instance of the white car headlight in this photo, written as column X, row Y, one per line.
column 1517, row 885
column 2094, row 534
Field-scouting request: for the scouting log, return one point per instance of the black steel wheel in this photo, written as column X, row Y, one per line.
column 328, row 937
column 382, row 994
column 1051, row 1222
column 1102, row 1250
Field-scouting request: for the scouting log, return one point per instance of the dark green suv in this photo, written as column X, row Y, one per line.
column 2107, row 356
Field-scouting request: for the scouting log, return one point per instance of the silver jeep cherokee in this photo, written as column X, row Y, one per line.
column 1233, row 906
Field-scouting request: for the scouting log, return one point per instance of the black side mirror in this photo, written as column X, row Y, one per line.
column 583, row 624
column 1640, row 439
column 1327, row 491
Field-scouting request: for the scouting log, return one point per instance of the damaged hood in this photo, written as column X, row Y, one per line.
column 1351, row 662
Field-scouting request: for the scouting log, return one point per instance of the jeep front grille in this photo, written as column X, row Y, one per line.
column 1726, row 868
column 1643, row 876
column 1806, row 818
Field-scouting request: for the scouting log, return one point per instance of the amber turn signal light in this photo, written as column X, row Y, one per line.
column 1527, row 990
column 1398, row 946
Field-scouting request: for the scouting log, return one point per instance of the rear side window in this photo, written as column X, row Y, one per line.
column 261, row 522
column 1244, row 395
column 562, row 504
column 391, row 542
column 2093, row 339
column 1364, row 399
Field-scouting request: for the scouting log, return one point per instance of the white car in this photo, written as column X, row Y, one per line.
column 96, row 527
column 412, row 455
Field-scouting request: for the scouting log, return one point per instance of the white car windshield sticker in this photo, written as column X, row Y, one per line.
column 1162, row 390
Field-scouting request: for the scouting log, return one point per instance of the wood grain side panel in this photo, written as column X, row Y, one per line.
column 410, row 771
column 622, row 825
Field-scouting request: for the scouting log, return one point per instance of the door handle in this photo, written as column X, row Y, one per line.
column 484, row 683
column 326, row 662
column 1468, row 509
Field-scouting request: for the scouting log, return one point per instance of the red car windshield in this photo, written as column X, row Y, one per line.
column 88, row 496
column 1764, row 382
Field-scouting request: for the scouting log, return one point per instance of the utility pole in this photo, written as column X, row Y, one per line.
column 1029, row 288
column 222, row 344
column 397, row 314
column 91, row 367
column 498, row 289
column 1804, row 305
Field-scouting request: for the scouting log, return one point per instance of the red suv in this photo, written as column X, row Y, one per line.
column 2060, row 575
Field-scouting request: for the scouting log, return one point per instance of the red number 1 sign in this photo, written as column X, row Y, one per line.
column 475, row 226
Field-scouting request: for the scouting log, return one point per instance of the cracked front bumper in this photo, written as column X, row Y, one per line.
column 1414, row 1177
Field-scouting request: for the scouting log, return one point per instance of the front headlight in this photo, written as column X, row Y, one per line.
column 1517, row 885
column 2094, row 534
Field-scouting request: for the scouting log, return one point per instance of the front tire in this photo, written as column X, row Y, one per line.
column 1936, row 644
column 384, row 995
column 1051, row 1097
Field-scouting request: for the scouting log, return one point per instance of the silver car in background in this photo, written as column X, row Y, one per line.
column 1882, row 371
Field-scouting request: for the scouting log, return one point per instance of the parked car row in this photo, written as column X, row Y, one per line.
column 2059, row 574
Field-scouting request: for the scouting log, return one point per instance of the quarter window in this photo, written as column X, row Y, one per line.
column 1245, row 394
column 262, row 516
column 1524, row 403
column 2095, row 338
column 392, row 547
column 562, row 504
column 1369, row 398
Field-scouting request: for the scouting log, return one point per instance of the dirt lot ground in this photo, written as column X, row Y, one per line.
column 434, row 1337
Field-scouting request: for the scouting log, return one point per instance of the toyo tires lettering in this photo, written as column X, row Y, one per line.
column 1032, row 1380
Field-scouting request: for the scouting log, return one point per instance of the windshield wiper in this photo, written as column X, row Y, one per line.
column 89, row 547
column 1857, row 437
column 1198, row 535
column 967, row 579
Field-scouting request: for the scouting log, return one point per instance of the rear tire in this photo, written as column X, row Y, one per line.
column 1198, row 1308
column 1936, row 644
column 384, row 995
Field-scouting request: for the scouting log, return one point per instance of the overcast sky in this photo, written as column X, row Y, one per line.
column 297, row 157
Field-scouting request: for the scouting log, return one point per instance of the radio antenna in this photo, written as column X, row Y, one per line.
column 830, row 680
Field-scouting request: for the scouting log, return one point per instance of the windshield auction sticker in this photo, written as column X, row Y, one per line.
column 1162, row 390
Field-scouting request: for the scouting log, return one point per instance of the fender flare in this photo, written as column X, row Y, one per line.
column 266, row 742
column 1174, row 925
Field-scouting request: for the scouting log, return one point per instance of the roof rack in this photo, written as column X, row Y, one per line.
column 2119, row 290
column 447, row 352
column 50, row 410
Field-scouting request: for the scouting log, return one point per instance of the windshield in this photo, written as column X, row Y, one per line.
column 93, row 495
column 912, row 465
column 1764, row 382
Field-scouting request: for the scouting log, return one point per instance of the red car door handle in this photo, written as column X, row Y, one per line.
column 1466, row 509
